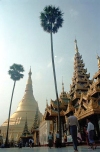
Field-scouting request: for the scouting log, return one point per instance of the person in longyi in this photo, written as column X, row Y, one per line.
column 73, row 124
column 58, row 144
column 50, row 140
column 90, row 131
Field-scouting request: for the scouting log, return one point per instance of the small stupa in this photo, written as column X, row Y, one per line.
column 26, row 135
column 28, row 105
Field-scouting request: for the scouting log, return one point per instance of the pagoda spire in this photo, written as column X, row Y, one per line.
column 98, row 61
column 76, row 47
column 29, row 82
column 30, row 73
column 62, row 85
column 80, row 80
column 63, row 94
column 46, row 103
column 28, row 98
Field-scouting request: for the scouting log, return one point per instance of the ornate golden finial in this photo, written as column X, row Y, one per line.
column 46, row 103
column 98, row 61
column 30, row 73
column 26, row 116
column 62, row 85
column 76, row 47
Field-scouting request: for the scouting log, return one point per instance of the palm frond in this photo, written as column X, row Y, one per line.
column 51, row 19
column 15, row 72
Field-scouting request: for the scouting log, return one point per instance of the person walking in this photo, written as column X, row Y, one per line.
column 57, row 142
column 30, row 142
column 50, row 140
column 72, row 124
column 20, row 143
column 90, row 131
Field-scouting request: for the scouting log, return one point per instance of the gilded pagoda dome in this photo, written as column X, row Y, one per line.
column 28, row 105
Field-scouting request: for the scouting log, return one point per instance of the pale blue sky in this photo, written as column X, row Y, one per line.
column 23, row 41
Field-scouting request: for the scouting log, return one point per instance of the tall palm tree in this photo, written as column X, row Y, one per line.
column 15, row 73
column 51, row 21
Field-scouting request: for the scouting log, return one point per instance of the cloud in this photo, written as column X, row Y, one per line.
column 49, row 64
column 60, row 60
column 56, row 61
column 73, row 13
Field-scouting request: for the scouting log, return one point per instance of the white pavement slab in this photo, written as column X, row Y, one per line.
column 46, row 149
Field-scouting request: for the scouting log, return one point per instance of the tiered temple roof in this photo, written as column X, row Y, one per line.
column 80, row 80
column 52, row 110
column 90, row 103
column 84, row 95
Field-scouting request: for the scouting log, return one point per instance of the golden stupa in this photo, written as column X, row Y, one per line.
column 28, row 105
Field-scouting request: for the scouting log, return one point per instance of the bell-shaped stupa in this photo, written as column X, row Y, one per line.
column 28, row 105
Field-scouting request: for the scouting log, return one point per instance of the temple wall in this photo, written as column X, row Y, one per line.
column 44, row 129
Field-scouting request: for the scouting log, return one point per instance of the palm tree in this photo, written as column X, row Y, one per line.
column 51, row 21
column 16, row 74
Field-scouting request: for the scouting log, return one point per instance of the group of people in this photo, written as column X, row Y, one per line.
column 72, row 124
column 50, row 140
column 30, row 143
column 89, row 134
column 73, row 127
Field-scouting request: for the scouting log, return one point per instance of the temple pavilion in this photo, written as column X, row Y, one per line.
column 28, row 105
column 83, row 98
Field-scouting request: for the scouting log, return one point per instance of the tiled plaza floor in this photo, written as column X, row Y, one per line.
column 46, row 149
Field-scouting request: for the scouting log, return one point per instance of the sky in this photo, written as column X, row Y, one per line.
column 23, row 41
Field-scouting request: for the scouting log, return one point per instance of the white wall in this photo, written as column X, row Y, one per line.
column 44, row 129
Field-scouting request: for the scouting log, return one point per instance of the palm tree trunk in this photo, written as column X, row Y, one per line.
column 6, row 142
column 55, row 82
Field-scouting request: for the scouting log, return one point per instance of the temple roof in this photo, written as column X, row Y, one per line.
column 80, row 80
column 84, row 95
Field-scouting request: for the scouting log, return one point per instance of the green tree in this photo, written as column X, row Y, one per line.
column 15, row 73
column 51, row 20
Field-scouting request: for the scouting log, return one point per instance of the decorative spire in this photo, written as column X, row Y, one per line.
column 25, row 131
column 46, row 103
column 76, row 47
column 80, row 80
column 62, row 85
column 29, row 82
column 30, row 73
column 36, row 120
column 98, row 61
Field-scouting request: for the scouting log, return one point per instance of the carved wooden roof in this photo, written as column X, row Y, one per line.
column 84, row 95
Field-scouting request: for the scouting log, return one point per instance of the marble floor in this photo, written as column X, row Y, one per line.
column 46, row 149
